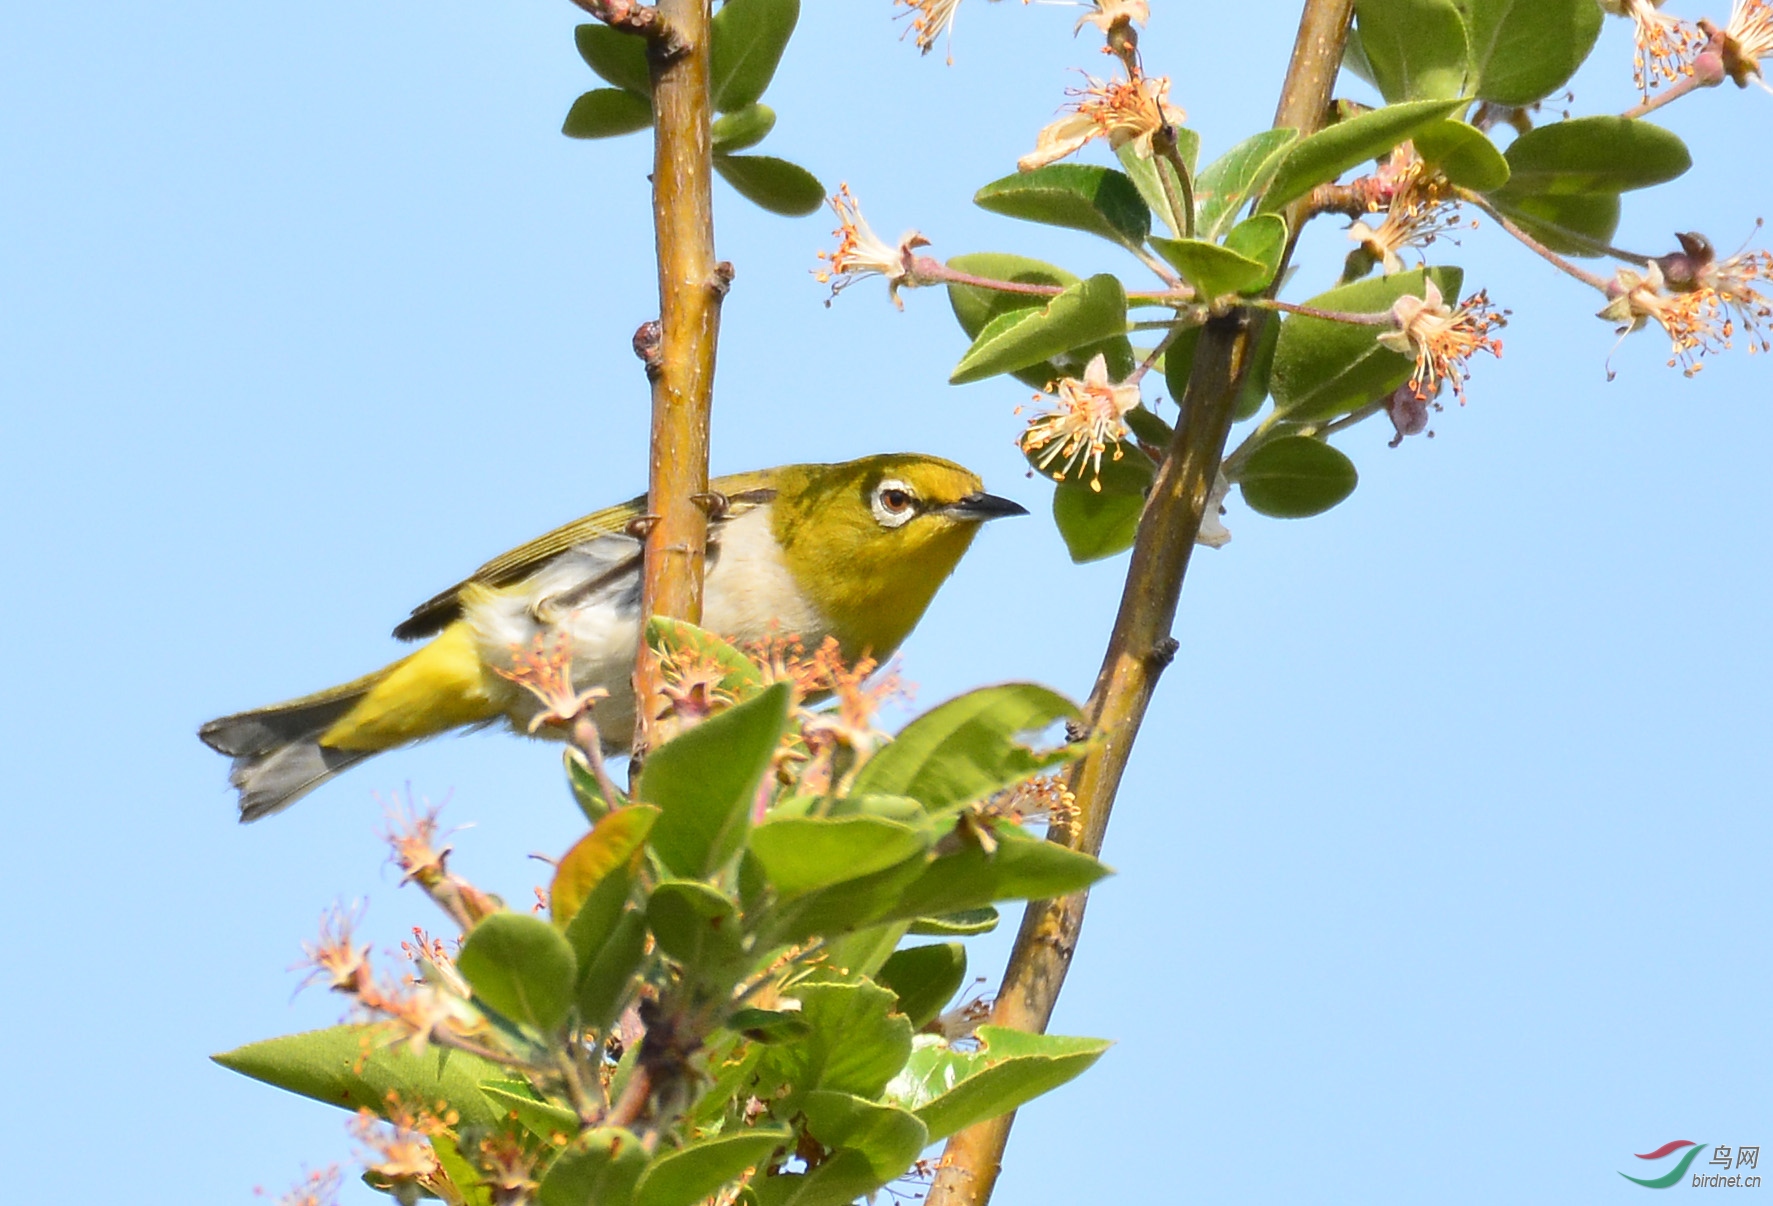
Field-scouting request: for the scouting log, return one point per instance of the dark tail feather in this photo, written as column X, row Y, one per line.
column 277, row 754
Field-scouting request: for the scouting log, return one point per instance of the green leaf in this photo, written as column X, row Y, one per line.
column 925, row 978
column 606, row 113
column 603, row 986
column 602, row 1167
column 1225, row 185
column 963, row 923
column 1085, row 313
column 696, row 925
column 543, row 1119
column 1464, row 154
column 1524, row 50
column 1416, row 48
column 697, row 1171
column 614, row 843
column 1076, row 195
column 749, row 38
column 952, row 1089
column 801, row 854
column 873, row 1143
column 1594, row 155
column 1095, row 525
column 1263, row 239
column 1254, row 390
column 1330, row 152
column 1149, row 172
column 744, row 128
column 522, row 967
column 618, row 57
column 1323, row 369
column 679, row 639
column 857, row 1042
column 772, row 184
column 1021, row 867
column 356, row 1068
column 705, row 779
column 461, row 1172
column 975, row 307
column 587, row 792
column 768, row 1025
column 967, row 748
column 1293, row 477
column 1213, row 270
column 1573, row 224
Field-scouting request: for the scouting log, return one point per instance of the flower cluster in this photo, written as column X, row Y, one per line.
column 1420, row 207
column 1123, row 112
column 1665, row 44
column 1701, row 303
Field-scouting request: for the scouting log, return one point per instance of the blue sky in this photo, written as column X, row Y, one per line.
column 1442, row 859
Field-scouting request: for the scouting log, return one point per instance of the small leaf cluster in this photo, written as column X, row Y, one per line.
column 749, row 37
column 720, row 999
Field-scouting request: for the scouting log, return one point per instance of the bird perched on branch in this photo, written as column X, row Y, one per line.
column 853, row 551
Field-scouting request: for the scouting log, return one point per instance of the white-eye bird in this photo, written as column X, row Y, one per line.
column 854, row 550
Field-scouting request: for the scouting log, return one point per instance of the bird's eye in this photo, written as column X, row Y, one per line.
column 894, row 503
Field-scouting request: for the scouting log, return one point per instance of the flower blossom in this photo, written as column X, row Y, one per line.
column 1664, row 43
column 1122, row 111
column 1700, row 302
column 1747, row 38
column 1420, row 207
column 1088, row 416
column 1442, row 339
column 862, row 253
column 930, row 19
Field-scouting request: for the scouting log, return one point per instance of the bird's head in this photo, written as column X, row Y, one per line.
column 870, row 540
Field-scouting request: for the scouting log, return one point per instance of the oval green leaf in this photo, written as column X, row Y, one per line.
column 1416, row 49
column 743, row 128
column 1594, row 155
column 697, row 1171
column 1095, row 525
column 607, row 113
column 749, row 38
column 618, row 57
column 951, row 1089
column 802, row 854
column 1524, row 50
column 1087, row 312
column 704, row 780
column 1213, row 270
column 521, row 967
column 1075, row 195
column 612, row 844
column 1330, row 152
column 1294, row 477
column 1573, row 224
column 1464, row 154
column 695, row 924
column 925, row 978
column 968, row 748
column 1226, row 184
column 1156, row 178
column 962, row 923
column 603, row 1166
column 772, row 184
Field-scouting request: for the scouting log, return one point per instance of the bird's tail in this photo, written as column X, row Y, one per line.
column 283, row 752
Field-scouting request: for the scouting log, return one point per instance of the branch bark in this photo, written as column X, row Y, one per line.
column 1140, row 645
column 691, row 286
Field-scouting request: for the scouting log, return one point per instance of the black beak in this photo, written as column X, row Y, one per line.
column 978, row 507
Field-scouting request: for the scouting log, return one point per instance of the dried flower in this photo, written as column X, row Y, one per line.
column 319, row 1188
column 398, row 1152
column 1106, row 14
column 1708, row 303
column 547, row 674
column 930, row 19
column 1420, row 207
column 861, row 253
column 1088, row 416
column 1442, row 339
column 1664, row 43
column 1408, row 413
column 1122, row 111
column 1213, row 532
column 1747, row 39
column 335, row 958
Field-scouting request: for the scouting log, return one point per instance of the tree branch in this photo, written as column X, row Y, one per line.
column 1140, row 646
column 691, row 286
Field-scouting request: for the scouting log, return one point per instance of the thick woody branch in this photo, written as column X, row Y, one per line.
column 691, row 285
column 1140, row 645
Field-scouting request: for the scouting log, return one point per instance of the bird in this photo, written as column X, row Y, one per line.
column 853, row 550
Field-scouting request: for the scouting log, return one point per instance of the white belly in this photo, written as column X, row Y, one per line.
column 748, row 595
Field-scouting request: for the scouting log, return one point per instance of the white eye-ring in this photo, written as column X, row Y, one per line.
column 894, row 502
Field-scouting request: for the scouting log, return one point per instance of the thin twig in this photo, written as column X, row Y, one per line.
column 1531, row 244
column 927, row 270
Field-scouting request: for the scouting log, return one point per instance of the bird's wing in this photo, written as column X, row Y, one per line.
column 742, row 492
